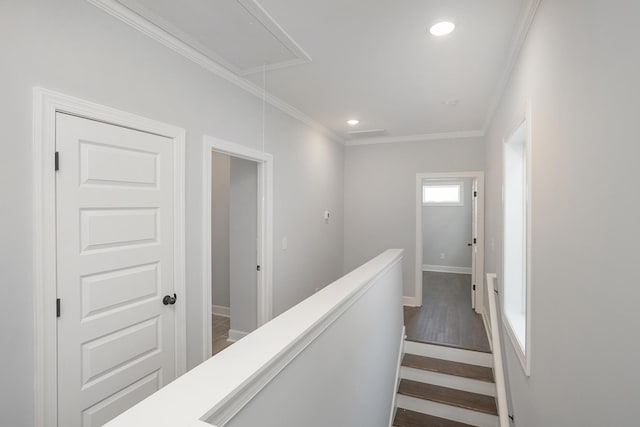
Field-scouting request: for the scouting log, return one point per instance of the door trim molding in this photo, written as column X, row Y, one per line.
column 46, row 104
column 480, row 285
column 265, row 231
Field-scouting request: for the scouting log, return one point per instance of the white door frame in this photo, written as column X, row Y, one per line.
column 416, row 300
column 265, row 231
column 46, row 104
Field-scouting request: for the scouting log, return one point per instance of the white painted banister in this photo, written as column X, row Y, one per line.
column 331, row 357
column 498, row 366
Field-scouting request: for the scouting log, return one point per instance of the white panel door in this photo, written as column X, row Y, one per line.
column 114, row 209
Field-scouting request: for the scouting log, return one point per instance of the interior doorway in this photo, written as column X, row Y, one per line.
column 109, row 251
column 237, row 248
column 450, row 230
column 234, row 255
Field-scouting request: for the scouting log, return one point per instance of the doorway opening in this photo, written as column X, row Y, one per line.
column 237, row 202
column 449, row 260
column 234, row 255
column 448, row 227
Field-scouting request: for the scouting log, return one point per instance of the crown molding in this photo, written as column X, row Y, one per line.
column 415, row 138
column 146, row 27
column 520, row 33
column 261, row 14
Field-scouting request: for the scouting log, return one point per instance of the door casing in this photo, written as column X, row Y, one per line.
column 46, row 104
column 265, row 231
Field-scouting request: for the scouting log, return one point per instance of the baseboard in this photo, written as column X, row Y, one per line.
column 394, row 407
column 411, row 301
column 235, row 335
column 220, row 310
column 446, row 269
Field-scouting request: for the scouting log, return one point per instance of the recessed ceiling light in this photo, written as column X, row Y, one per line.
column 353, row 122
column 442, row 28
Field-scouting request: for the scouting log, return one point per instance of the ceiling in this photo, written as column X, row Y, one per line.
column 373, row 60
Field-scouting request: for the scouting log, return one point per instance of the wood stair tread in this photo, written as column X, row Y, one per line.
column 407, row 418
column 449, row 396
column 480, row 373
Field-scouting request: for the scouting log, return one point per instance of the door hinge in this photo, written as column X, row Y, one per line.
column 475, row 194
column 57, row 162
column 258, row 268
column 57, row 307
column 474, row 286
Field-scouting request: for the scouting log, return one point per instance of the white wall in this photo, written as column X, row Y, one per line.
column 309, row 179
column 220, row 174
column 447, row 230
column 579, row 67
column 72, row 47
column 243, row 235
column 380, row 188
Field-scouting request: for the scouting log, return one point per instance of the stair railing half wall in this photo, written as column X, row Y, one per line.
column 330, row 360
column 498, row 366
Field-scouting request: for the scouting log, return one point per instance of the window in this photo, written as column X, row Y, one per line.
column 442, row 193
column 516, row 238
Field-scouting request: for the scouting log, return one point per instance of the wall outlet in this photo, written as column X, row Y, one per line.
column 441, row 255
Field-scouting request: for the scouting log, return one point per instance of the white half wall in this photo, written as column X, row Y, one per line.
column 72, row 47
column 380, row 186
column 579, row 68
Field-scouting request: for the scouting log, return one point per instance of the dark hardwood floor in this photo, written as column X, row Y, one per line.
column 407, row 418
column 449, row 396
column 446, row 316
column 220, row 332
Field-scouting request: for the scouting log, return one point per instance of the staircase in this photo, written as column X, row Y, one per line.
column 445, row 387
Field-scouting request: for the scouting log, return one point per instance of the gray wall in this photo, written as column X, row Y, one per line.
column 579, row 67
column 220, row 166
column 243, row 234
column 380, row 185
column 447, row 230
column 73, row 47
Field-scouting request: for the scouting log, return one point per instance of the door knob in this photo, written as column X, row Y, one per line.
column 168, row 299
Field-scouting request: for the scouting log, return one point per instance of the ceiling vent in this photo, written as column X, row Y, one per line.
column 238, row 34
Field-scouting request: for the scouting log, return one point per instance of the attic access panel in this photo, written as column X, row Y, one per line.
column 238, row 34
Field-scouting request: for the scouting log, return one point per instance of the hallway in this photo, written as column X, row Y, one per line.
column 446, row 317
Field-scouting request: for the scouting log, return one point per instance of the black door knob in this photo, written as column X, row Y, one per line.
column 168, row 299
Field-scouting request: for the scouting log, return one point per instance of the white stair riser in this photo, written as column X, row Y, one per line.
column 462, row 415
column 449, row 353
column 450, row 381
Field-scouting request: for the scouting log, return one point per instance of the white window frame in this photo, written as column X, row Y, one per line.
column 459, row 184
column 522, row 349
